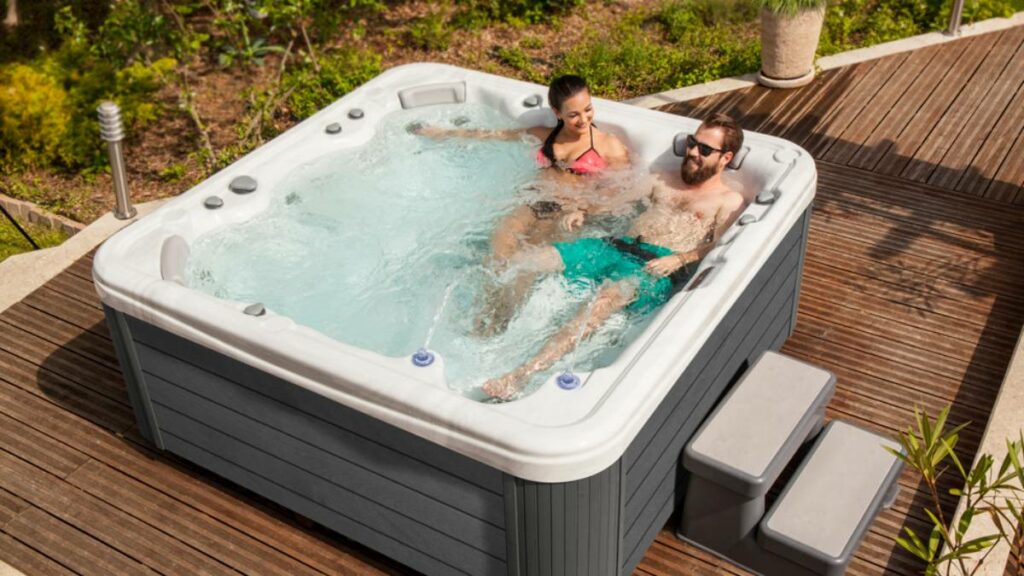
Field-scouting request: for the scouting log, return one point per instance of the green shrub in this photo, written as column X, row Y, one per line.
column 513, row 56
column 34, row 117
column 430, row 32
column 681, row 43
column 340, row 72
column 475, row 13
column 791, row 6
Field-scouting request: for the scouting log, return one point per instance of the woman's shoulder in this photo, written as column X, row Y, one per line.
column 610, row 146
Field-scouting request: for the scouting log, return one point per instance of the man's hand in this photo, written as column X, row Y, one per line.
column 664, row 266
column 573, row 220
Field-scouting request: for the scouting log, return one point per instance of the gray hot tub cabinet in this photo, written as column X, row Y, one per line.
column 426, row 506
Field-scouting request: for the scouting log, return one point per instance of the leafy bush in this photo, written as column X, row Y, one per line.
column 681, row 43
column 34, row 115
column 12, row 242
column 476, row 13
column 513, row 56
column 430, row 32
column 791, row 6
column 340, row 73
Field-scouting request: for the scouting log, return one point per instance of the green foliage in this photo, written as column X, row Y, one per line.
column 430, row 32
column 791, row 6
column 476, row 13
column 34, row 116
column 340, row 72
column 49, row 106
column 513, row 56
column 12, row 242
column 987, row 491
column 681, row 43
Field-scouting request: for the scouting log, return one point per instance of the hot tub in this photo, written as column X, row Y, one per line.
column 380, row 450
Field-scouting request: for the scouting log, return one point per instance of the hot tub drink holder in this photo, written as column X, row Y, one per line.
column 734, row 459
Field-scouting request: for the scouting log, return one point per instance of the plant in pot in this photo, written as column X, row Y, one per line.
column 789, row 39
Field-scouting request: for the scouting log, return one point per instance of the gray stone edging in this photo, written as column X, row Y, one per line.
column 25, row 211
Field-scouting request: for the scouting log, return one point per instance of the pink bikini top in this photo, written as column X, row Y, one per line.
column 589, row 162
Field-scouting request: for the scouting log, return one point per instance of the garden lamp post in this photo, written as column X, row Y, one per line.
column 112, row 132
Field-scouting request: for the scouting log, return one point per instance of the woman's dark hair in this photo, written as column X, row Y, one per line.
column 560, row 90
column 563, row 88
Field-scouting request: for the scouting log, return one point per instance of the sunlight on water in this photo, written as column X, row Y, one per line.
column 362, row 245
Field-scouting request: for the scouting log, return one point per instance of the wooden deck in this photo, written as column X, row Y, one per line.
column 911, row 295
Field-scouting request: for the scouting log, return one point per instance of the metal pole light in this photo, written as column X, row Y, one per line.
column 113, row 133
column 954, row 18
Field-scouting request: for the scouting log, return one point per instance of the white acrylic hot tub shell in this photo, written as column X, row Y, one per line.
column 551, row 435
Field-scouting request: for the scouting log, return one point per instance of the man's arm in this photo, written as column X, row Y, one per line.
column 727, row 213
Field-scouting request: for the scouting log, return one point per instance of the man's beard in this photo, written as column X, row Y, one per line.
column 693, row 174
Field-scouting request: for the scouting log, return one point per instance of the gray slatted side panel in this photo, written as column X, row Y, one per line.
column 323, row 460
column 569, row 528
column 761, row 319
column 313, row 404
column 121, row 335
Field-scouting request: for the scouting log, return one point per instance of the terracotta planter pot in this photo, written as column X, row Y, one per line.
column 788, row 43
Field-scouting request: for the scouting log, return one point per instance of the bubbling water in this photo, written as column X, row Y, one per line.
column 363, row 245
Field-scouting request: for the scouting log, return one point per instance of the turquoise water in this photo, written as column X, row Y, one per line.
column 362, row 245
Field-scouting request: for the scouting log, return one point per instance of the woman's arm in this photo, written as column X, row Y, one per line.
column 439, row 132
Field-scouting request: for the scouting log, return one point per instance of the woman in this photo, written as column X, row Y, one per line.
column 570, row 153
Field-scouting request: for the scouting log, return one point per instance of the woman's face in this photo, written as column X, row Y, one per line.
column 577, row 112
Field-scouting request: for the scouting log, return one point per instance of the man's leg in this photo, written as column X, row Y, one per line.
column 609, row 299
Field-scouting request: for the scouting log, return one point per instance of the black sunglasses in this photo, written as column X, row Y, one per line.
column 703, row 148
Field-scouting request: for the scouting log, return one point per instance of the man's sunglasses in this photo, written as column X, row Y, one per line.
column 703, row 148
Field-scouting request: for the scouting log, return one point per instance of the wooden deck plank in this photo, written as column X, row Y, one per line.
column 28, row 560
column 867, row 121
column 183, row 522
column 58, row 331
column 1006, row 184
column 59, row 305
column 969, row 156
column 100, row 377
column 72, row 548
column 852, row 106
column 974, row 96
column 806, row 119
column 881, row 140
column 200, row 490
column 968, row 58
column 1002, row 137
column 113, row 415
column 102, row 521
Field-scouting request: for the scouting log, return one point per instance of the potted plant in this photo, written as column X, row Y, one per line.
column 789, row 38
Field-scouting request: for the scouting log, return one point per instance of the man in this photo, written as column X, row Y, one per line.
column 640, row 271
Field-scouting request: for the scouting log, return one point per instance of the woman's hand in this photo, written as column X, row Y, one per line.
column 573, row 220
column 664, row 266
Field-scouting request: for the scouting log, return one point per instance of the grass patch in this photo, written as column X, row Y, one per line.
column 12, row 242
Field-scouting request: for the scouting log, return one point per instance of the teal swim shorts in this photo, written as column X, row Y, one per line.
column 598, row 259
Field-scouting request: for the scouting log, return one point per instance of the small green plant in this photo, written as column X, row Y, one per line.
column 34, row 116
column 791, row 6
column 340, row 72
column 513, row 56
column 477, row 13
column 987, row 491
column 173, row 173
column 430, row 32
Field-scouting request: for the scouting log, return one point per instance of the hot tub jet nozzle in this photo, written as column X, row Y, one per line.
column 568, row 381
column 423, row 358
